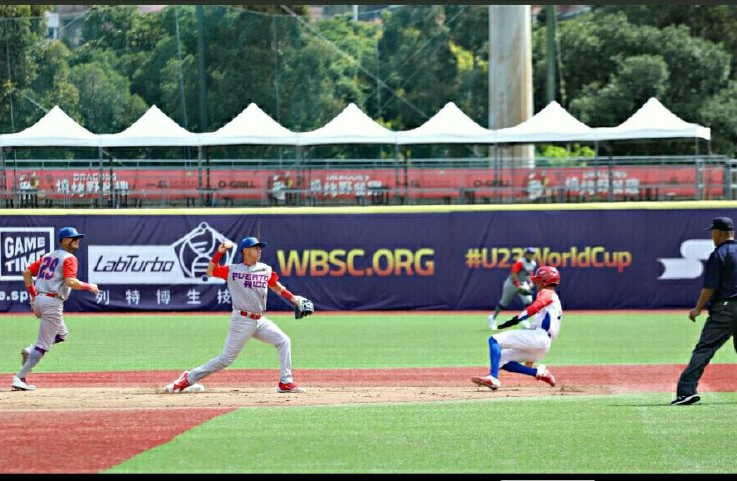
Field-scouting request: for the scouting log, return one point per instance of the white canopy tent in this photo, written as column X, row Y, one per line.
column 251, row 126
column 551, row 124
column 55, row 129
column 448, row 126
column 153, row 129
column 351, row 126
column 652, row 121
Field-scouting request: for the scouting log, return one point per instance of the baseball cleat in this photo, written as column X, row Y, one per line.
column 194, row 388
column 487, row 381
column 492, row 322
column 685, row 400
column 20, row 385
column 24, row 353
column 289, row 387
column 180, row 384
column 544, row 375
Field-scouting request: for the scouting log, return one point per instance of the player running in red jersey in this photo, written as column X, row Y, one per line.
column 56, row 276
column 516, row 285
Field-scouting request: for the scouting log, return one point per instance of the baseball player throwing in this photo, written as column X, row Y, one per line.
column 56, row 276
column 248, row 283
column 516, row 285
column 506, row 349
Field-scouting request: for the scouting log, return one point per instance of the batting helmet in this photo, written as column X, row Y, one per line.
column 250, row 242
column 66, row 232
column 546, row 276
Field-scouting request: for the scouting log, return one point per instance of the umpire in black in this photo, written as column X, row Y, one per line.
column 720, row 291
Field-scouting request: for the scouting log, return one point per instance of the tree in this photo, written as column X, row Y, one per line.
column 106, row 105
column 52, row 85
column 417, row 64
column 21, row 31
column 612, row 66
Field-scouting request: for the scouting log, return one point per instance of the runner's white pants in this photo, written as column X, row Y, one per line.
column 523, row 345
column 241, row 330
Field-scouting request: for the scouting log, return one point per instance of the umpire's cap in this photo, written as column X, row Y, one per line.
column 250, row 242
column 721, row 223
column 66, row 232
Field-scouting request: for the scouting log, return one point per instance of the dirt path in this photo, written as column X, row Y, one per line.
column 89, row 422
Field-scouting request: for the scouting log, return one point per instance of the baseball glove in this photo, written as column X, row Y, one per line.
column 303, row 308
column 512, row 322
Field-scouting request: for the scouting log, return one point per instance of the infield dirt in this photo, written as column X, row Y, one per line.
column 89, row 422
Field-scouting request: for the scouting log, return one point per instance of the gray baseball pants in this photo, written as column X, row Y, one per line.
column 241, row 330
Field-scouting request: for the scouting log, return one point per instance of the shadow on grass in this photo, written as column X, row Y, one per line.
column 668, row 404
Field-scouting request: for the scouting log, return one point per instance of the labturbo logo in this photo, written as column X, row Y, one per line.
column 690, row 265
column 22, row 246
column 183, row 262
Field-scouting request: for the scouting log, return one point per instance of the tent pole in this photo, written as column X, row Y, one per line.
column 4, row 180
column 113, row 194
column 99, row 180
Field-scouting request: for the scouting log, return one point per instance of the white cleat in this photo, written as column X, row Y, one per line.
column 492, row 322
column 20, row 385
column 544, row 375
column 487, row 381
column 191, row 388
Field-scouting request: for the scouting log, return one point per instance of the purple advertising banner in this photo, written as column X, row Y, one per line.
column 608, row 259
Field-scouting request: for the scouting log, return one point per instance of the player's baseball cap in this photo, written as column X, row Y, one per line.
column 66, row 232
column 721, row 223
column 250, row 242
column 530, row 250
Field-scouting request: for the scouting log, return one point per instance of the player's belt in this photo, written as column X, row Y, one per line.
column 50, row 294
column 251, row 315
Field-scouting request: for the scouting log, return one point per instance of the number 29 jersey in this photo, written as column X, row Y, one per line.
column 51, row 270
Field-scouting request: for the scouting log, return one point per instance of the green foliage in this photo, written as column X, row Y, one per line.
column 555, row 155
column 20, row 30
column 400, row 68
column 628, row 60
column 107, row 102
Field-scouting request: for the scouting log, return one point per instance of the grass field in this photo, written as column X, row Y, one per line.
column 156, row 342
column 634, row 433
column 614, row 434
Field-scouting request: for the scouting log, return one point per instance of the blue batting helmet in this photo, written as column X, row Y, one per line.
column 66, row 232
column 250, row 242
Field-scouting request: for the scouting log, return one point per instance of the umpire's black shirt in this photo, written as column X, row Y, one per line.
column 721, row 271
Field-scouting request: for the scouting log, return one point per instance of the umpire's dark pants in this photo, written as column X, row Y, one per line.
column 721, row 323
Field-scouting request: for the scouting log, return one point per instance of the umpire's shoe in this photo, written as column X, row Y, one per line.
column 683, row 400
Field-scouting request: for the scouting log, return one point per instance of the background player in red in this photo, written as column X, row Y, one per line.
column 56, row 276
column 516, row 285
column 507, row 349
column 248, row 283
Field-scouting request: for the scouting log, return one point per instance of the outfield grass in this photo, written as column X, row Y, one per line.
column 163, row 342
column 613, row 434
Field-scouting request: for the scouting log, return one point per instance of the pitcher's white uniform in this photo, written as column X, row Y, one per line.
column 533, row 343
column 248, row 287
